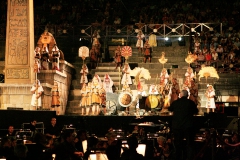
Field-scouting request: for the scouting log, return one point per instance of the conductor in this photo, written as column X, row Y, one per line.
column 183, row 124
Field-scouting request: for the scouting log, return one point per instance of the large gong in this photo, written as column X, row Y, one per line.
column 125, row 99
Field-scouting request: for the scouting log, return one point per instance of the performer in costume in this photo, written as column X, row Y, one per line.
column 97, row 48
column 36, row 91
column 102, row 95
column 164, row 77
column 55, row 97
column 126, row 78
column 147, row 52
column 84, row 98
column 153, row 40
column 37, row 61
column 175, row 90
column 189, row 75
column 93, row 58
column 55, row 58
column 89, row 97
column 84, row 72
column 45, row 58
column 210, row 94
column 194, row 91
column 107, row 83
column 118, row 57
column 153, row 89
column 139, row 44
column 96, row 83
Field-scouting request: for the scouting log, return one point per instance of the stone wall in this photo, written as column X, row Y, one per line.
column 18, row 96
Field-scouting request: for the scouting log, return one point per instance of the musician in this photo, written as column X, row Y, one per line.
column 126, row 78
column 183, row 124
column 175, row 90
column 118, row 57
column 210, row 94
column 45, row 58
column 107, row 83
column 84, row 72
column 84, row 94
column 147, row 52
column 189, row 75
column 53, row 130
column 55, row 58
column 37, row 91
column 162, row 150
column 55, row 97
column 140, row 37
column 93, row 58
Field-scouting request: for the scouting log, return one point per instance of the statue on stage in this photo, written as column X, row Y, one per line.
column 84, row 72
column 46, row 40
column 55, row 98
column 126, row 78
column 36, row 91
column 107, row 83
column 210, row 94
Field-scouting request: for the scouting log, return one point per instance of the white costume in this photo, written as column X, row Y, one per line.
column 140, row 37
column 126, row 78
column 34, row 101
column 84, row 72
column 107, row 83
column 210, row 103
column 164, row 77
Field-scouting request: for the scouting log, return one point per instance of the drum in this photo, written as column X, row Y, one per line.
column 125, row 99
column 152, row 101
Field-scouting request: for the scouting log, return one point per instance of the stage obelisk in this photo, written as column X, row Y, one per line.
column 19, row 55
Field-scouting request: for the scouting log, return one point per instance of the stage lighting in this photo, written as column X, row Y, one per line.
column 167, row 42
column 181, row 41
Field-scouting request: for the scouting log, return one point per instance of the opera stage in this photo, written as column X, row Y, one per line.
column 99, row 125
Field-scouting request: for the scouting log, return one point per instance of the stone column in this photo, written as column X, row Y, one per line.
column 19, row 57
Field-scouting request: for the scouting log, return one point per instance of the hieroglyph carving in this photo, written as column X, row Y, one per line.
column 17, row 73
column 18, row 33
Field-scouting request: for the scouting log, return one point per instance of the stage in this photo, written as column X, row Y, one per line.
column 99, row 125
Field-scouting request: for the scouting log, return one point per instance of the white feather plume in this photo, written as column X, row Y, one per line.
column 140, row 72
column 208, row 72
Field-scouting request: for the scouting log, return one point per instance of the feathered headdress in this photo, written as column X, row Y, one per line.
column 139, row 73
column 208, row 72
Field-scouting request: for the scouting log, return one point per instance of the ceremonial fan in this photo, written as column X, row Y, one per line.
column 208, row 72
column 190, row 58
column 126, row 52
column 83, row 52
column 139, row 73
column 162, row 59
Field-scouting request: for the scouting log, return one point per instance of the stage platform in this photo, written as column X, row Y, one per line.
column 99, row 125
